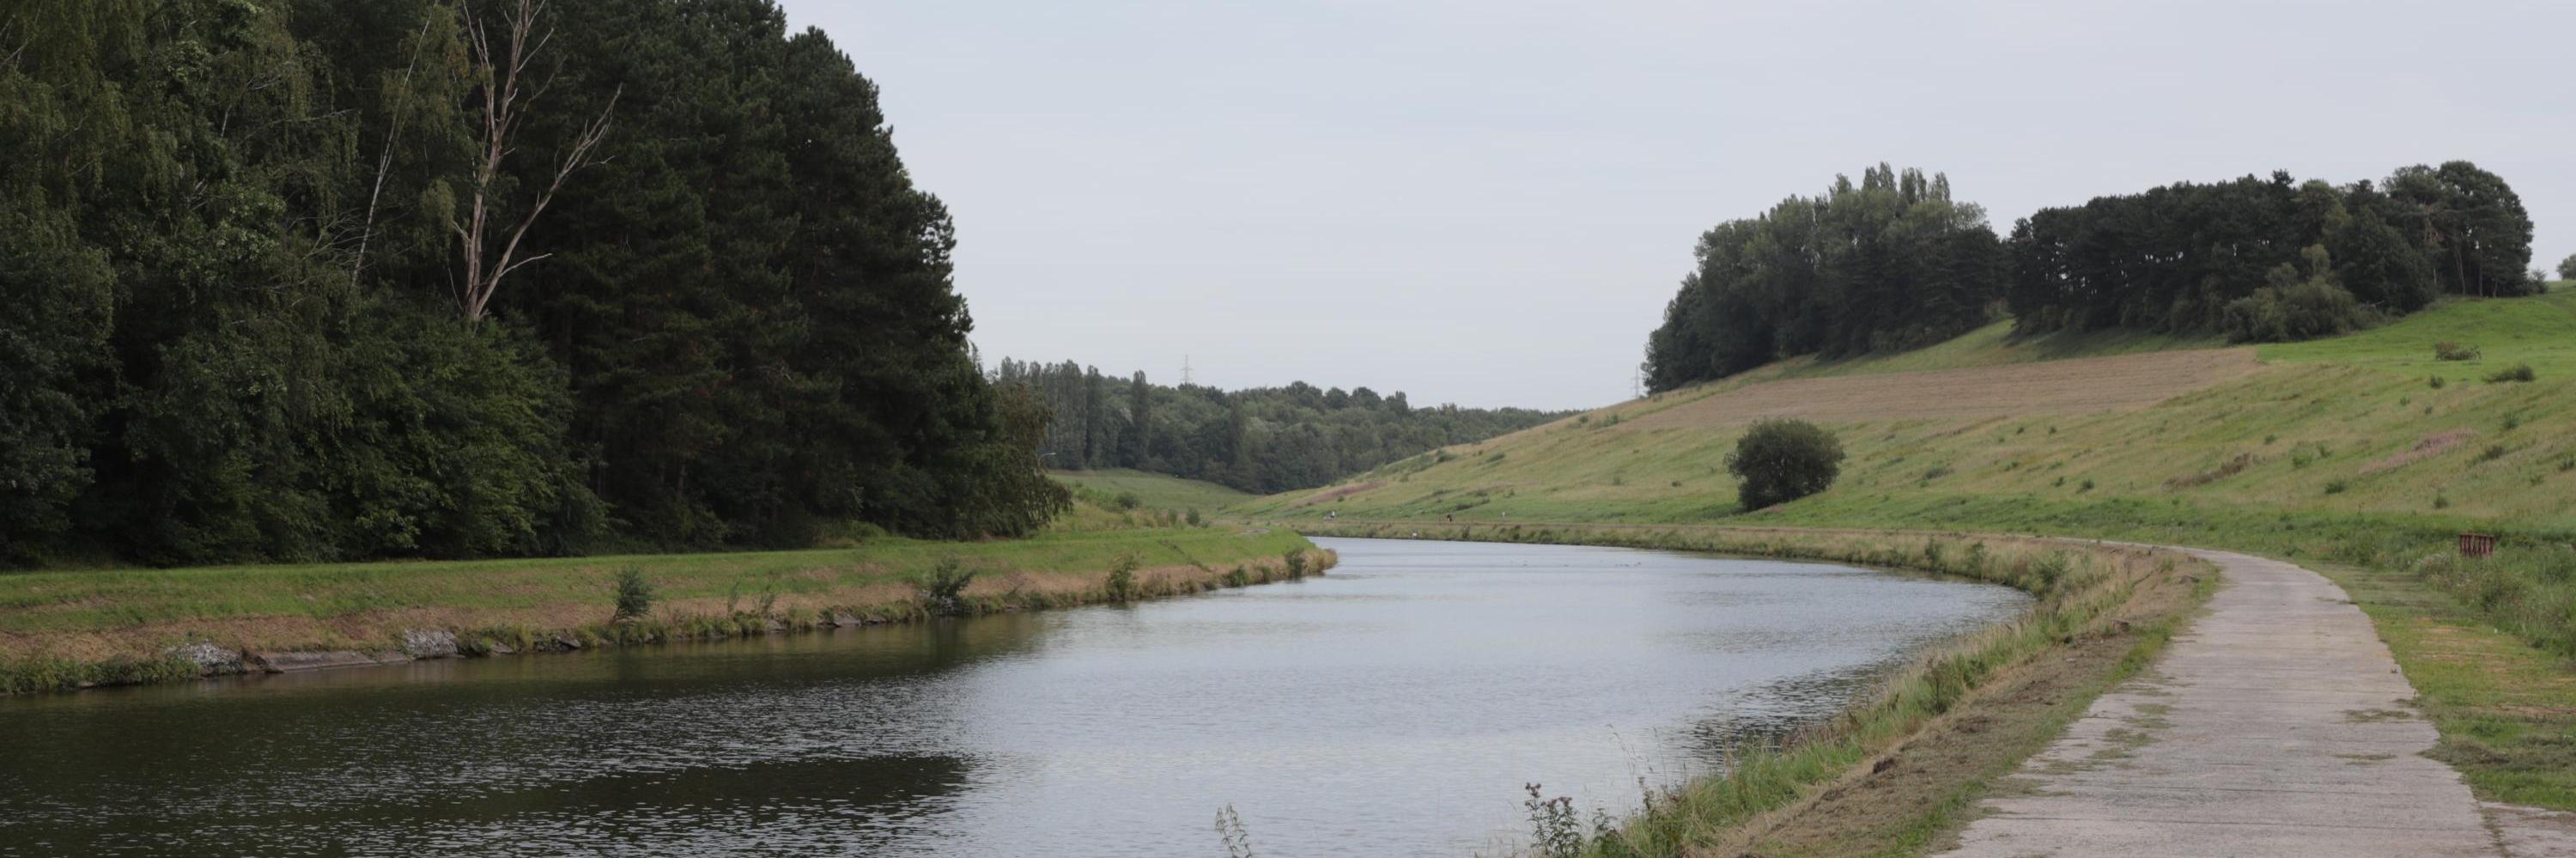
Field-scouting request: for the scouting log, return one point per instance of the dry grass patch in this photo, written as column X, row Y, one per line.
column 2017, row 390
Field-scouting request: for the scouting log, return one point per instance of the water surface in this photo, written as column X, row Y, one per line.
column 1394, row 707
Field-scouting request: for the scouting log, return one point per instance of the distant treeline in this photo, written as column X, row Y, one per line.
column 1261, row 440
column 1894, row 264
column 312, row 279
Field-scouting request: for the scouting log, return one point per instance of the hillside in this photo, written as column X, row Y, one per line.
column 1151, row 490
column 2344, row 426
column 2343, row 454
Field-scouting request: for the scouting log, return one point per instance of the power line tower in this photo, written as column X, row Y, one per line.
column 1185, row 371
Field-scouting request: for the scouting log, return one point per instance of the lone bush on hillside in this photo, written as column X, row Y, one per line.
column 2447, row 350
column 2516, row 372
column 1784, row 460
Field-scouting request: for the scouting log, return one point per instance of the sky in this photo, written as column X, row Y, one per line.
column 1490, row 202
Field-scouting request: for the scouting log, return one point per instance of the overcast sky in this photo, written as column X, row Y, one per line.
column 1489, row 202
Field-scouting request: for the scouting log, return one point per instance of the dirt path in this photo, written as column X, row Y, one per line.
column 2278, row 725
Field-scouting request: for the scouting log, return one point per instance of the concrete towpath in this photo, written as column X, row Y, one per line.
column 2277, row 725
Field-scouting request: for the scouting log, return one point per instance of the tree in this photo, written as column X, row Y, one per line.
column 232, row 234
column 1889, row 263
column 1782, row 460
column 2471, row 222
column 502, row 96
column 2567, row 267
column 2374, row 261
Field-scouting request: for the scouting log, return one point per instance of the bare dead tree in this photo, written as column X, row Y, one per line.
column 501, row 71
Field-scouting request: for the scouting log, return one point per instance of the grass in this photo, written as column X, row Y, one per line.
column 1906, row 764
column 1995, row 345
column 1151, row 490
column 61, row 628
column 2501, row 706
column 2506, row 332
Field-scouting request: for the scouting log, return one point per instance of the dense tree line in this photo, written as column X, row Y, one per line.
column 312, row 279
column 1892, row 263
column 2271, row 258
column 1262, row 440
column 1895, row 263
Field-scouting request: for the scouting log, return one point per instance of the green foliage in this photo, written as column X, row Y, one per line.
column 2188, row 257
column 1890, row 264
column 2297, row 306
column 232, row 333
column 1779, row 461
column 2516, row 373
column 2448, row 350
column 634, row 595
column 1122, row 578
column 943, row 588
column 2567, row 267
column 1295, row 562
column 1264, row 440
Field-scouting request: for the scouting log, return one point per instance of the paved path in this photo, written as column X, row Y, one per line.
column 2277, row 725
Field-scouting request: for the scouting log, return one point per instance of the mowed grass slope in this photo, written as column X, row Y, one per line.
column 1152, row 490
column 2339, row 452
column 2344, row 426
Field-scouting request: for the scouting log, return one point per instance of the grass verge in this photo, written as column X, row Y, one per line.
column 1905, row 767
column 69, row 629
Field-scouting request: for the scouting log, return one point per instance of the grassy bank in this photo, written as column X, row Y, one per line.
column 65, row 629
column 1899, row 770
column 2362, row 453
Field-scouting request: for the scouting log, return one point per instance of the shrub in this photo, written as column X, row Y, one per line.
column 2447, row 350
column 1295, row 562
column 2516, row 372
column 2435, row 382
column 1194, row 518
column 2441, row 501
column 1784, row 460
column 2336, row 487
column 2494, row 452
column 634, row 595
column 1126, row 501
column 2305, row 309
column 1122, row 578
column 943, row 588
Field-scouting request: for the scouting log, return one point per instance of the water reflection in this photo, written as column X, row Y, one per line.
column 1392, row 708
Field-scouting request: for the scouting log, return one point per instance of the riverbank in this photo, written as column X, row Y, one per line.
column 79, row 628
column 1905, row 767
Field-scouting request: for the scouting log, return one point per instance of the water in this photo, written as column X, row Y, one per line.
column 1393, row 708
